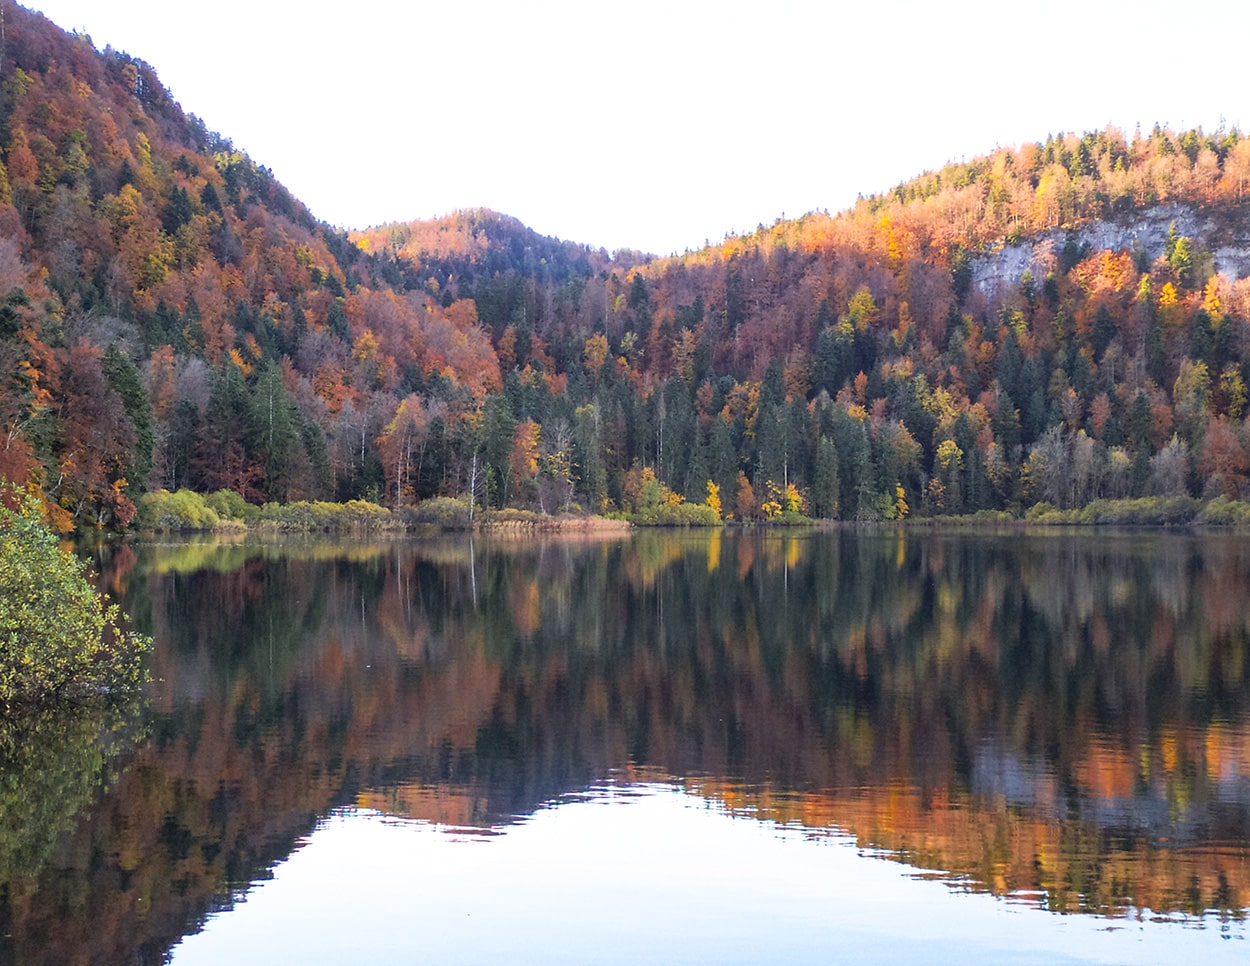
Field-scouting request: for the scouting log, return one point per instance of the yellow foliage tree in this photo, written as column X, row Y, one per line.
column 713, row 498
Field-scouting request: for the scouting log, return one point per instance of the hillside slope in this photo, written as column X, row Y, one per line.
column 1050, row 323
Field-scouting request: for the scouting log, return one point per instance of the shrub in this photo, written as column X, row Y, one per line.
column 231, row 506
column 183, row 510
column 58, row 638
column 1147, row 510
column 676, row 515
column 1155, row 511
column 442, row 512
column 1223, row 512
column 319, row 515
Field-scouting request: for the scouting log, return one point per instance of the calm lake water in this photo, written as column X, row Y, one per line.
column 812, row 747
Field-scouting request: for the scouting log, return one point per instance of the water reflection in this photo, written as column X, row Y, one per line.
column 1064, row 719
column 643, row 873
column 53, row 764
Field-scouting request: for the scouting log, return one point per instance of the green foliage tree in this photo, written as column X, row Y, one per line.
column 59, row 639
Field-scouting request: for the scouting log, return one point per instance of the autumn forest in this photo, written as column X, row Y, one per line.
column 1043, row 326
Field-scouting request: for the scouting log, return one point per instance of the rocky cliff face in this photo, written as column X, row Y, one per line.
column 1221, row 236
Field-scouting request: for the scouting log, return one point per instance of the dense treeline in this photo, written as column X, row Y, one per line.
column 170, row 317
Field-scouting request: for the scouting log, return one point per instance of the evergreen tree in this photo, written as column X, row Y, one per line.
column 1104, row 332
column 498, row 430
column 123, row 377
column 826, row 484
column 722, row 459
column 223, row 457
column 278, row 437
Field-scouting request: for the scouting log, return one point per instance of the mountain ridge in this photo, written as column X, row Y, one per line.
column 175, row 318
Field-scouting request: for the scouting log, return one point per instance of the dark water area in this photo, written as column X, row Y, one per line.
column 1023, row 726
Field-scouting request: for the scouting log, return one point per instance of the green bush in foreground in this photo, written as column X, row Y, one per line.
column 58, row 638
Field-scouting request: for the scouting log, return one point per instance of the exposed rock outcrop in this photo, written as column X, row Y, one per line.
column 1222, row 235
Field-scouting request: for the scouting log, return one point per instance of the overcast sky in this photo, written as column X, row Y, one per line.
column 659, row 125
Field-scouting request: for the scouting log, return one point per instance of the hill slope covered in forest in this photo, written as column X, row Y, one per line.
column 1056, row 322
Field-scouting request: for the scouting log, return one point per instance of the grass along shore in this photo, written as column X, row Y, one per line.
column 224, row 511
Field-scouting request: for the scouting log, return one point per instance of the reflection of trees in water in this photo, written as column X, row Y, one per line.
column 53, row 763
column 910, row 686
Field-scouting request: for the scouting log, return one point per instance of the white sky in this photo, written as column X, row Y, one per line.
column 657, row 125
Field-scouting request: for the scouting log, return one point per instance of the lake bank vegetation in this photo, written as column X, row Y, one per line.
column 224, row 512
column 60, row 641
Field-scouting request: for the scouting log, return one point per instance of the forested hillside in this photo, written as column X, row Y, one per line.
column 1056, row 322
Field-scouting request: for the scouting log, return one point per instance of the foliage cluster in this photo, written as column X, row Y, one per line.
column 1143, row 511
column 58, row 638
column 1223, row 512
column 651, row 503
column 180, row 511
column 1162, row 511
column 443, row 513
column 676, row 515
column 320, row 515
column 227, row 510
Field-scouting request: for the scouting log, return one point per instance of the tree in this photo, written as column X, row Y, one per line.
column 58, row 639
column 722, row 461
column 498, row 431
column 713, row 499
column 594, row 354
column 1224, row 459
column 96, row 443
column 1189, row 399
column 223, row 457
column 948, row 464
column 278, row 438
column 746, row 507
column 124, row 379
column 588, row 456
column 401, row 441
column 555, row 467
column 524, row 454
column 825, row 484
column 1169, row 470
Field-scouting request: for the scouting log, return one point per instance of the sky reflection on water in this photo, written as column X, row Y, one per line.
column 648, row 873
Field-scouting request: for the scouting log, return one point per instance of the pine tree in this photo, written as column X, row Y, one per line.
column 826, row 484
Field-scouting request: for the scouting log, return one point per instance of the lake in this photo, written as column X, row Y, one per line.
column 861, row 746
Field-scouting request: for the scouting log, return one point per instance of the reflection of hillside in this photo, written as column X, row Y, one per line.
column 920, row 691
column 989, row 845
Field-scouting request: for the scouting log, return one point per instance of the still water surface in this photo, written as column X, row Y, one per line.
column 724, row 748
